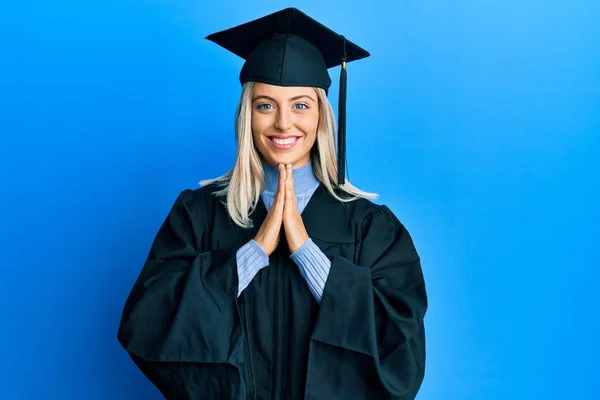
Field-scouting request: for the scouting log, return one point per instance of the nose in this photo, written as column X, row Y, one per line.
column 283, row 120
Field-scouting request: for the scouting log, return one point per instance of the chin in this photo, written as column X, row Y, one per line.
column 283, row 159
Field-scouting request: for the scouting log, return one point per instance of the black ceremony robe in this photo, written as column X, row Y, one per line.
column 193, row 338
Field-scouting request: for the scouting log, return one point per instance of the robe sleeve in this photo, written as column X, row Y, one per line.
column 369, row 337
column 180, row 322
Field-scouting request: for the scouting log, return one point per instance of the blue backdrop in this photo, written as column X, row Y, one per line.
column 477, row 121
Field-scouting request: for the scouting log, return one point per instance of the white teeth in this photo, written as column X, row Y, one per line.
column 284, row 141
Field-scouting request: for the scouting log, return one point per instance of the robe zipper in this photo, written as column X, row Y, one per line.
column 276, row 330
column 285, row 338
column 277, row 319
column 248, row 369
column 280, row 363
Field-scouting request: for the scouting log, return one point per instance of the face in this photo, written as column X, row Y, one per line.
column 284, row 123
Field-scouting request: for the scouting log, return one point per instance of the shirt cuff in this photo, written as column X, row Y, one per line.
column 314, row 266
column 251, row 258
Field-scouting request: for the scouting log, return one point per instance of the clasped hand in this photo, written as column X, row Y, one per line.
column 284, row 214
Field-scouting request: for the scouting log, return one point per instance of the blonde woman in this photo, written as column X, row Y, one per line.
column 279, row 279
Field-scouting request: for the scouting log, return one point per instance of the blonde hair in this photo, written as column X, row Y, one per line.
column 244, row 182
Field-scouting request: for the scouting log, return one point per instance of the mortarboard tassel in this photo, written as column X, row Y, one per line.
column 342, row 122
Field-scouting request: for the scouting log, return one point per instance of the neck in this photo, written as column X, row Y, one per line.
column 304, row 178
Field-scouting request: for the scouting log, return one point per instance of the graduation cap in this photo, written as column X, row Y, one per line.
column 289, row 48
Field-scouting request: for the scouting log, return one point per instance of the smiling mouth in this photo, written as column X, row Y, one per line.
column 284, row 143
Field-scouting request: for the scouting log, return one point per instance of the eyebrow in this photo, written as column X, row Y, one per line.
column 275, row 101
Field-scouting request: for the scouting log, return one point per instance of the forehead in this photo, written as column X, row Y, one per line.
column 282, row 92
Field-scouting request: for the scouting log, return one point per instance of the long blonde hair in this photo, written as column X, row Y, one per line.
column 243, row 183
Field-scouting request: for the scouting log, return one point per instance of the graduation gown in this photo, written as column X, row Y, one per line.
column 191, row 335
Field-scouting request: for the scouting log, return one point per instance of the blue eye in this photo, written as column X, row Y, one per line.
column 301, row 106
column 263, row 106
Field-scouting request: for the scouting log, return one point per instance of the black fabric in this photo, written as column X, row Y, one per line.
column 342, row 127
column 188, row 333
column 287, row 48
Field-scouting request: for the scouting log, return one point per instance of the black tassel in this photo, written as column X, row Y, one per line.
column 341, row 156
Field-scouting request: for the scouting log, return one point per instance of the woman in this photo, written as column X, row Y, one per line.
column 280, row 280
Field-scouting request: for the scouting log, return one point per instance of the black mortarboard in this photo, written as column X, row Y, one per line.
column 289, row 48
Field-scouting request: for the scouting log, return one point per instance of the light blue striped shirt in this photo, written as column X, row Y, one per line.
column 313, row 265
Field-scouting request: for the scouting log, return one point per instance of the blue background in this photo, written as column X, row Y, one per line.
column 477, row 121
